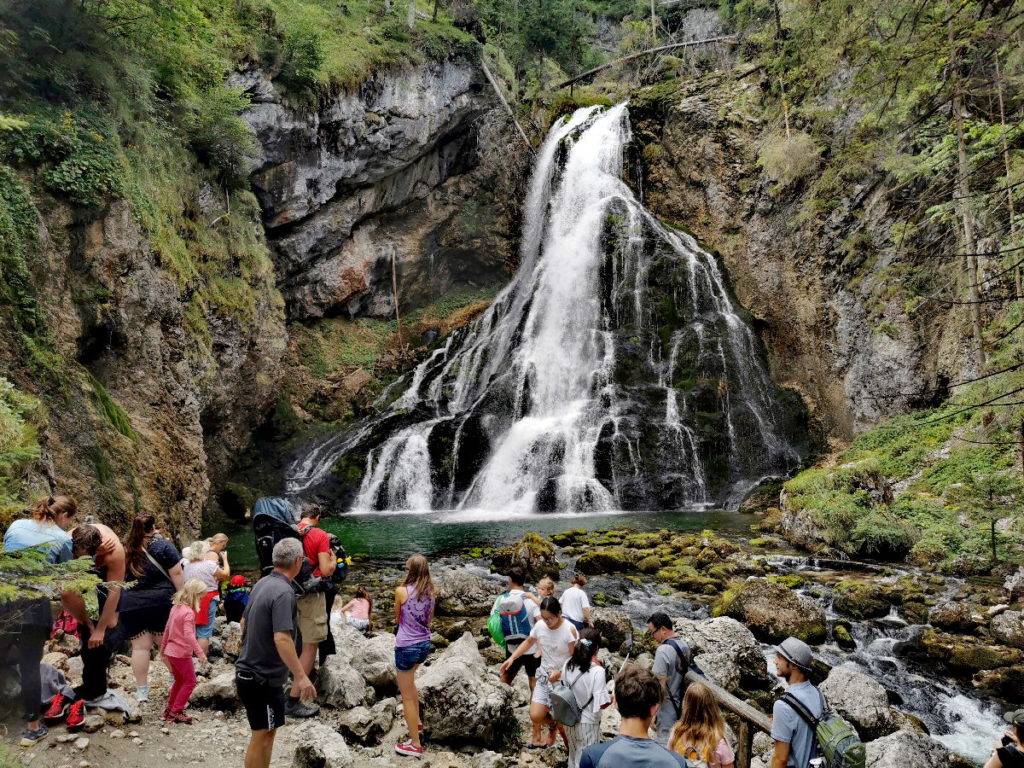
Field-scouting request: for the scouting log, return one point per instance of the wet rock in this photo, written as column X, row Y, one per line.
column 218, row 692
column 367, row 726
column 461, row 592
column 533, row 553
column 862, row 702
column 1003, row 682
column 773, row 612
column 861, row 599
column 611, row 560
column 462, row 701
column 319, row 746
column 614, row 626
column 954, row 617
column 339, row 685
column 905, row 748
column 967, row 654
column 1008, row 628
column 841, row 634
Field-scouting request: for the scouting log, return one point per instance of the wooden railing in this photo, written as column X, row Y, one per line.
column 748, row 716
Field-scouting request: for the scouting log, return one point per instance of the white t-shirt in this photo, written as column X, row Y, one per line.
column 573, row 601
column 554, row 644
column 584, row 685
column 202, row 570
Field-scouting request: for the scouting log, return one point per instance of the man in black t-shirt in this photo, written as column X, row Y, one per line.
column 268, row 652
column 1010, row 752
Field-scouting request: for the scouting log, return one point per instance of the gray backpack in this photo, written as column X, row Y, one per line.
column 564, row 707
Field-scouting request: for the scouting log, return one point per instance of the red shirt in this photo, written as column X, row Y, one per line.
column 315, row 541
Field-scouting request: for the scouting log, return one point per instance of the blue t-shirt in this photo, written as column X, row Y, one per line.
column 789, row 727
column 26, row 533
column 630, row 752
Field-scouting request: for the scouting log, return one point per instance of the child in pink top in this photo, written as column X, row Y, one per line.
column 357, row 610
column 179, row 646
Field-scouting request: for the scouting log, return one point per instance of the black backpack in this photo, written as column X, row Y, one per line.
column 272, row 521
column 684, row 664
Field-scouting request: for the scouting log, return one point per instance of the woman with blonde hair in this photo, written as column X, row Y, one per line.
column 700, row 733
column 180, row 645
column 414, row 609
column 200, row 566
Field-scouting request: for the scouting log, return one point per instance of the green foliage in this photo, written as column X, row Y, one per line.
column 112, row 410
column 789, row 158
column 19, row 446
column 25, row 574
column 220, row 138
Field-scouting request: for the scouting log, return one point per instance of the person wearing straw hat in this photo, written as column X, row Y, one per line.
column 1010, row 752
column 794, row 738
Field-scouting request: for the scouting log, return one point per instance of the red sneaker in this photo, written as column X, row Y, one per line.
column 409, row 749
column 57, row 709
column 167, row 715
column 76, row 716
column 181, row 717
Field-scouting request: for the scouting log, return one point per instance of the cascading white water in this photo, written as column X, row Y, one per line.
column 525, row 410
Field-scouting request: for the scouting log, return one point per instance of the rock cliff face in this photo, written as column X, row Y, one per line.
column 378, row 175
column 832, row 331
column 160, row 398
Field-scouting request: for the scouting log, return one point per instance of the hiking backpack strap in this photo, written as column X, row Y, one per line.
column 801, row 710
column 583, row 708
column 684, row 660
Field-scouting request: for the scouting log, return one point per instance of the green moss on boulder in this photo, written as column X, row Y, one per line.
column 610, row 560
column 773, row 612
column 861, row 599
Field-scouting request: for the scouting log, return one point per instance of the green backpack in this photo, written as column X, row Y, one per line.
column 837, row 741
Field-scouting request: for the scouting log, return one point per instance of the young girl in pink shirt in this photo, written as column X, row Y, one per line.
column 180, row 645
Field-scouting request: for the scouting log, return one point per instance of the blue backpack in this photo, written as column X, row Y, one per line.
column 515, row 618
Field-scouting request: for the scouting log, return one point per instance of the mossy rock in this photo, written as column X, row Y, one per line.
column 841, row 634
column 773, row 612
column 861, row 599
column 565, row 538
column 1005, row 682
column 643, row 541
column 533, row 553
column 611, row 560
column 600, row 599
column 791, row 580
column 650, row 564
column 967, row 654
column 915, row 612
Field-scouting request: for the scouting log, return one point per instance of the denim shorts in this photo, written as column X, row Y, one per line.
column 408, row 657
column 205, row 631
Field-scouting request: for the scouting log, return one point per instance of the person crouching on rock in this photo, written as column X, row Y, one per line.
column 585, row 675
column 357, row 610
column 414, row 609
column 1010, row 752
column 179, row 645
column 557, row 640
column 268, row 652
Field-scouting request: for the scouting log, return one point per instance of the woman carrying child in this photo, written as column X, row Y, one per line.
column 180, row 645
column 585, row 675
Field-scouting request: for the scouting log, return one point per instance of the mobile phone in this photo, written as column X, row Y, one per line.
column 1006, row 741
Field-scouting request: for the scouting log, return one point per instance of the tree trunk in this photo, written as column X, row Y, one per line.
column 434, row 16
column 995, row 559
column 1018, row 288
column 963, row 191
column 654, row 24
column 410, row 14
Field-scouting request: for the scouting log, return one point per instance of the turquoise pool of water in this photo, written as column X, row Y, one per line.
column 395, row 536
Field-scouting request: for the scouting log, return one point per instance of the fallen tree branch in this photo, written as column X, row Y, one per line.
column 508, row 107
column 659, row 49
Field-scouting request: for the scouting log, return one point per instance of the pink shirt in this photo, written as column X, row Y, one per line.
column 359, row 608
column 180, row 634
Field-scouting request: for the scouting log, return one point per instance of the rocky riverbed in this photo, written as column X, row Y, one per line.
column 729, row 600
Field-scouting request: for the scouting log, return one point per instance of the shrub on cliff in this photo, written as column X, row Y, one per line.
column 789, row 157
column 18, row 446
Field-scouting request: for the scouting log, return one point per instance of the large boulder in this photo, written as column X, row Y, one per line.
column 862, row 702
column 463, row 703
column 905, row 748
column 610, row 560
column 375, row 661
column 614, row 626
column 774, row 612
column 955, row 617
column 320, row 746
column 727, row 651
column 1008, row 628
column 1014, row 585
column 462, row 592
column 339, row 685
column 368, row 726
column 218, row 692
column 861, row 599
column 533, row 553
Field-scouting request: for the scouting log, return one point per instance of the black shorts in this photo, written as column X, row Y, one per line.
column 152, row 619
column 527, row 661
column 264, row 702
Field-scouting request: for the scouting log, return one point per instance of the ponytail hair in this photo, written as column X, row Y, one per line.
column 585, row 649
column 135, row 545
column 46, row 510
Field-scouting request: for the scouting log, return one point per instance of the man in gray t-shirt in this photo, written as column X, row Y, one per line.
column 670, row 662
column 793, row 736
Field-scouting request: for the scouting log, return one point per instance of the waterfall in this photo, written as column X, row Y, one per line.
column 615, row 371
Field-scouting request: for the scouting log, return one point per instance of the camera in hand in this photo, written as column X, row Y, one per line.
column 1006, row 741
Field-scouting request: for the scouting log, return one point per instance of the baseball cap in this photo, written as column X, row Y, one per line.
column 795, row 652
column 238, row 581
column 1015, row 718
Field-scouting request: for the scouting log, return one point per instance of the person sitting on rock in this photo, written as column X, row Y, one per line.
column 671, row 660
column 25, row 624
column 638, row 696
column 699, row 736
column 575, row 604
column 794, row 738
column 556, row 638
column 357, row 610
column 528, row 661
column 268, row 652
column 1010, row 752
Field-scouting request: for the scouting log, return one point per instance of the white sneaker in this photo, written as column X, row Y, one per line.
column 142, row 693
